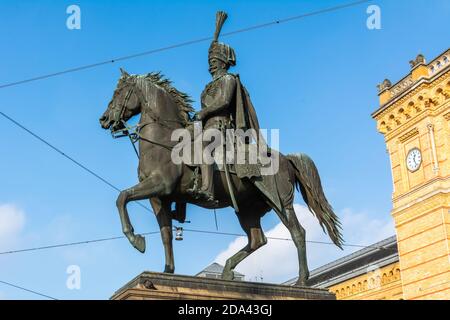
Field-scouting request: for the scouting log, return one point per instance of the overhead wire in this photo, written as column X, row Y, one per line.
column 60, row 245
column 27, row 290
column 183, row 44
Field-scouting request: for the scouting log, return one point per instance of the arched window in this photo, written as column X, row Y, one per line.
column 384, row 279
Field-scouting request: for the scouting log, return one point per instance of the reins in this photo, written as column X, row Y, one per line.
column 134, row 134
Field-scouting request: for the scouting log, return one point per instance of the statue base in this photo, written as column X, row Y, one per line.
column 164, row 286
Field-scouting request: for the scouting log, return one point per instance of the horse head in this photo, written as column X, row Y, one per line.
column 124, row 104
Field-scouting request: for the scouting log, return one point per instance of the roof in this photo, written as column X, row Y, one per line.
column 217, row 268
column 380, row 254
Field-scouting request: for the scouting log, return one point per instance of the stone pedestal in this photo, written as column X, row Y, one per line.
column 163, row 286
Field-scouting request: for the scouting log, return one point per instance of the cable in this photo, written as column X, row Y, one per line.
column 286, row 239
column 72, row 243
column 28, row 290
column 21, row 126
column 188, row 230
column 183, row 44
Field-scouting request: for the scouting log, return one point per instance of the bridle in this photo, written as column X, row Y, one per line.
column 134, row 132
column 122, row 107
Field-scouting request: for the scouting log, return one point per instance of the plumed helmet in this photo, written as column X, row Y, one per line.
column 220, row 50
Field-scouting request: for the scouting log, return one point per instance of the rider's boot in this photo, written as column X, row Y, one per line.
column 206, row 192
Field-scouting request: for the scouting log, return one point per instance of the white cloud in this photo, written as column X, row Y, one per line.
column 12, row 221
column 277, row 261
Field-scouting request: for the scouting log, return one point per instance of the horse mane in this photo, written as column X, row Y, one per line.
column 181, row 99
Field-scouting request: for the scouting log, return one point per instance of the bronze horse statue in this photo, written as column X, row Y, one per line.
column 163, row 109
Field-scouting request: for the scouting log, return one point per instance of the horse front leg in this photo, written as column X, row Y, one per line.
column 153, row 186
column 163, row 215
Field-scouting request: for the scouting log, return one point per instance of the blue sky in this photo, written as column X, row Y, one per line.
column 314, row 79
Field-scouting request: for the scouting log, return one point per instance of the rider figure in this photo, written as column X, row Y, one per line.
column 217, row 100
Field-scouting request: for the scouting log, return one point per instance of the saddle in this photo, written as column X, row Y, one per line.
column 242, row 161
column 245, row 164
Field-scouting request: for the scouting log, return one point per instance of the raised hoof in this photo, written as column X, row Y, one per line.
column 227, row 275
column 139, row 243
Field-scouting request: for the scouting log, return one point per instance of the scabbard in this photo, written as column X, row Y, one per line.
column 225, row 166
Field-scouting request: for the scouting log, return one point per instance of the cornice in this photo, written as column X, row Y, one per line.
column 422, row 84
column 408, row 125
column 414, row 111
column 423, row 197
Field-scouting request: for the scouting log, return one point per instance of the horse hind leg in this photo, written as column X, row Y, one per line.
column 298, row 235
column 256, row 239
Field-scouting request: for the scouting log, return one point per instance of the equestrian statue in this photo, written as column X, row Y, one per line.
column 225, row 106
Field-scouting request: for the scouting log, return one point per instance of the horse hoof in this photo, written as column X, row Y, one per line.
column 169, row 269
column 227, row 275
column 300, row 283
column 139, row 243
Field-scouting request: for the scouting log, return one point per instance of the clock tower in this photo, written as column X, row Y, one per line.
column 414, row 116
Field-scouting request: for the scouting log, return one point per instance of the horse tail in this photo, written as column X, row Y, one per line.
column 307, row 181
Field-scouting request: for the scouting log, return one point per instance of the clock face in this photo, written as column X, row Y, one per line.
column 413, row 159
